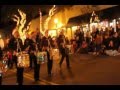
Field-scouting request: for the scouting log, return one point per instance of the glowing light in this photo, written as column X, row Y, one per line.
column 60, row 25
column 21, row 21
column 111, row 24
column 51, row 13
column 56, row 21
column 52, row 33
column 117, row 22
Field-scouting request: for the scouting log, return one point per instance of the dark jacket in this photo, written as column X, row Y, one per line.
column 44, row 42
column 116, row 42
column 13, row 44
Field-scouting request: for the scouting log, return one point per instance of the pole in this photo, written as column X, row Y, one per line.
column 40, row 21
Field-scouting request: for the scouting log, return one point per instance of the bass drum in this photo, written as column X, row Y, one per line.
column 23, row 60
column 41, row 57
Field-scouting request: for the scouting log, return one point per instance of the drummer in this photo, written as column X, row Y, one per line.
column 62, row 48
column 46, row 47
column 17, row 47
column 28, row 47
column 33, row 49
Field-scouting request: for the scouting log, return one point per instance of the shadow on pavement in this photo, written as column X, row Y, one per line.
column 70, row 73
column 61, row 74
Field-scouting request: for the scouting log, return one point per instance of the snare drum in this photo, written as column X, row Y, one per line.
column 3, row 66
column 23, row 60
column 69, row 49
column 41, row 57
column 55, row 54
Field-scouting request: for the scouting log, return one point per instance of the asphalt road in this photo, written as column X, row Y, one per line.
column 85, row 69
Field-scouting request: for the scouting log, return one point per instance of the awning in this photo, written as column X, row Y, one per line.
column 109, row 14
column 79, row 20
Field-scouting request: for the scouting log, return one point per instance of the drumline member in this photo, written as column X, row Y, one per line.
column 18, row 47
column 33, row 58
column 46, row 48
column 63, row 50
column 29, row 47
column 36, row 65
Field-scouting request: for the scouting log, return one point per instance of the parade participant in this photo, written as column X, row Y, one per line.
column 33, row 59
column 60, row 39
column 64, row 54
column 46, row 47
column 63, row 50
column 38, row 41
column 20, row 71
column 36, row 68
column 28, row 47
column 14, row 59
column 18, row 47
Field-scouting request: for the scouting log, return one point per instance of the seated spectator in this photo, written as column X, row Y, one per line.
column 84, row 48
column 111, row 50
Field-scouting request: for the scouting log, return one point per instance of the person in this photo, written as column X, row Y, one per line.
column 18, row 47
column 36, row 68
column 46, row 47
column 20, row 71
column 10, row 61
column 98, row 43
column 14, row 58
column 111, row 51
column 84, row 48
column 64, row 54
column 29, row 46
column 63, row 49
column 33, row 58
column 116, row 41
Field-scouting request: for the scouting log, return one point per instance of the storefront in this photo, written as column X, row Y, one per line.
column 110, row 17
column 52, row 33
column 79, row 22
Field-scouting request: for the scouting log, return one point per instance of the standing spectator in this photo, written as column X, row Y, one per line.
column 98, row 43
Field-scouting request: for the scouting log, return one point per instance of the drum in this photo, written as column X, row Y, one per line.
column 55, row 54
column 23, row 60
column 69, row 49
column 41, row 57
column 3, row 66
